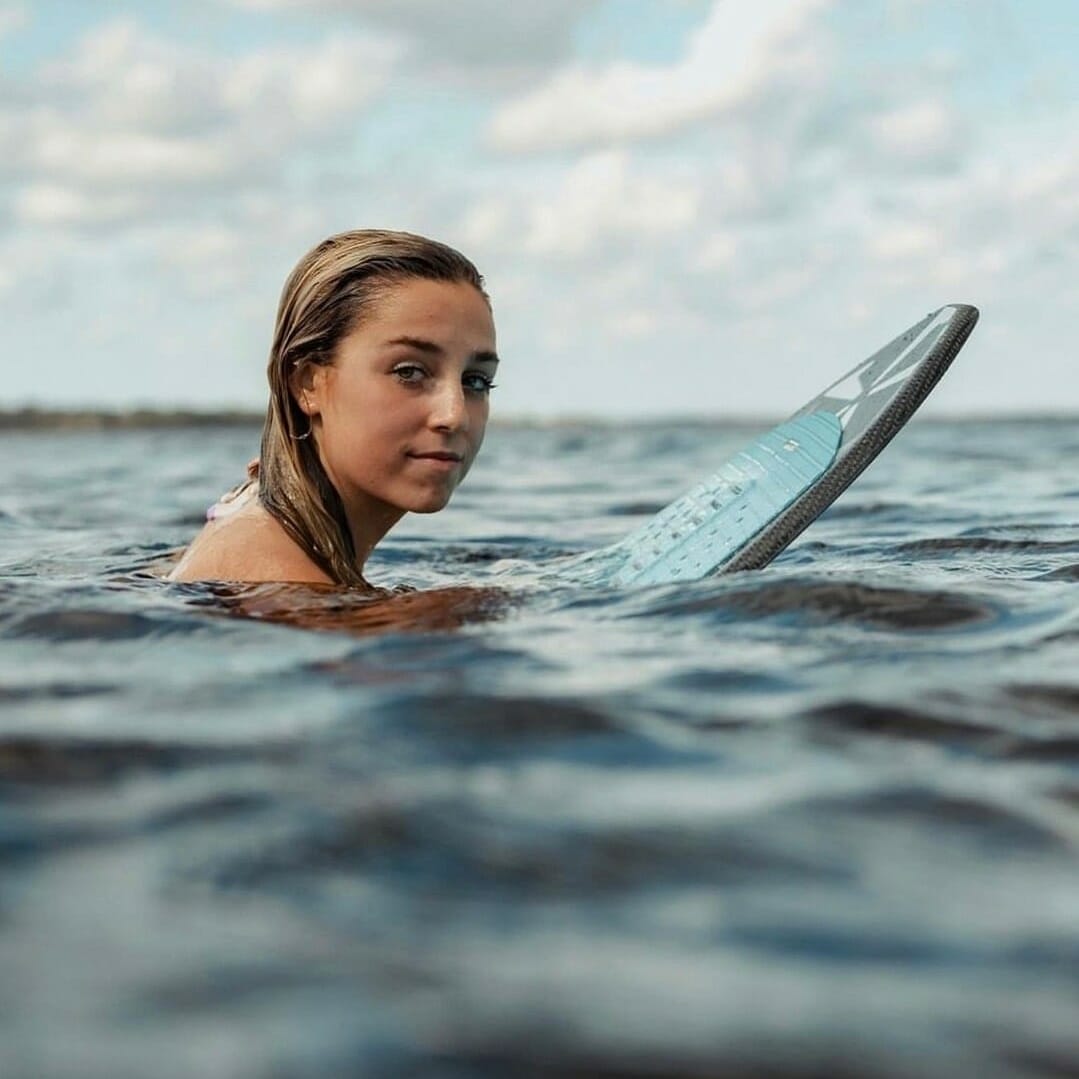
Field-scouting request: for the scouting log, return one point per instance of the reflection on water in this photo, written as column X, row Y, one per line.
column 816, row 820
column 354, row 612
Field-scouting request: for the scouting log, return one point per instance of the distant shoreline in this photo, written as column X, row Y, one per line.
column 92, row 419
column 142, row 419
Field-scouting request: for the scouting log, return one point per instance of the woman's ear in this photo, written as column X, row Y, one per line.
column 305, row 384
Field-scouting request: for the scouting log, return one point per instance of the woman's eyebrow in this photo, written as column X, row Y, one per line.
column 421, row 344
column 418, row 343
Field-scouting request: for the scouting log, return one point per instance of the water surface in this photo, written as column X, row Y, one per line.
column 820, row 819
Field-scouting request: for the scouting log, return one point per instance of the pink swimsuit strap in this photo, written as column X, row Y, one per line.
column 233, row 500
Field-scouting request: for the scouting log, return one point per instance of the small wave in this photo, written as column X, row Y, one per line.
column 535, row 1053
column 839, row 601
column 1045, row 1061
column 54, row 691
column 95, row 624
column 1068, row 795
column 992, row 824
column 1057, row 698
column 191, row 519
column 448, row 837
column 1008, row 740
column 1051, row 750
column 63, row 762
column 511, row 719
column 949, row 544
column 895, row 721
column 634, row 509
column 515, row 547
column 713, row 680
column 863, row 510
column 1061, row 573
column 210, row 809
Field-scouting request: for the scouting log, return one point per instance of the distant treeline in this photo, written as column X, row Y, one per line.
column 89, row 419
column 42, row 419
column 93, row 419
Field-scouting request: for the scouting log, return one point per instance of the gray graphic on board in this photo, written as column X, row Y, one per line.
column 861, row 396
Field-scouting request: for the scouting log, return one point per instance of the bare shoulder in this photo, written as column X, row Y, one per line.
column 249, row 545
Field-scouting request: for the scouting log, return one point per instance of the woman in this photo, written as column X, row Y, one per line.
column 382, row 361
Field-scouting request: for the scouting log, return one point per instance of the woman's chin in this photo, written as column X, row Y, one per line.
column 430, row 502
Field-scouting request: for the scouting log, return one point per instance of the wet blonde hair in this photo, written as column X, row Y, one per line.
column 325, row 297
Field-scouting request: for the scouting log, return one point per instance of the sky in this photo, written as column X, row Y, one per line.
column 681, row 207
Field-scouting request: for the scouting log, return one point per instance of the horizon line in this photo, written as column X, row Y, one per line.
column 36, row 417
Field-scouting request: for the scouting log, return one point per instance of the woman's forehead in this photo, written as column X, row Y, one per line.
column 418, row 305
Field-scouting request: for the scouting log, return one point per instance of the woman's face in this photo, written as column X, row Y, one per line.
column 399, row 416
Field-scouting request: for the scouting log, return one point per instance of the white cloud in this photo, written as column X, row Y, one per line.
column 209, row 259
column 119, row 78
column 13, row 17
column 1008, row 208
column 718, row 252
column 128, row 121
column 56, row 205
column 917, row 134
column 478, row 34
column 487, row 223
column 634, row 323
column 310, row 90
column 740, row 53
column 1051, row 181
column 128, row 159
column 588, row 209
column 777, row 227
column 910, row 241
column 600, row 198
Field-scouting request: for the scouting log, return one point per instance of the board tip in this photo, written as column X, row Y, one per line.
column 966, row 309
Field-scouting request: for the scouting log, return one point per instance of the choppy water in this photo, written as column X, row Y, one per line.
column 821, row 819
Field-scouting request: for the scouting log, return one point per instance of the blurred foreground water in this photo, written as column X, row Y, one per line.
column 821, row 819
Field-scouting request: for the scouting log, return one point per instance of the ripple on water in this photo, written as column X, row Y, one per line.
column 907, row 609
column 863, row 511
column 839, row 720
column 40, row 762
column 54, row 691
column 952, row 544
column 1061, row 573
column 508, row 719
column 989, row 825
column 98, row 624
column 446, row 845
column 634, row 509
column 1055, row 698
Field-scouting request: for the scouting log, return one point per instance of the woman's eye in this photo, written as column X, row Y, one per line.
column 478, row 383
column 409, row 372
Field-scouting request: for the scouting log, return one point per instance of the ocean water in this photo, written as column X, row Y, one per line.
column 816, row 820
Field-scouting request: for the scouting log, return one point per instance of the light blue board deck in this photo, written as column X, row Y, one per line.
column 763, row 497
column 698, row 532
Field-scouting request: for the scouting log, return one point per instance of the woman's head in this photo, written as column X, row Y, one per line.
column 382, row 355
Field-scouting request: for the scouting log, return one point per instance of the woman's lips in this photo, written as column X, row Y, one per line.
column 439, row 459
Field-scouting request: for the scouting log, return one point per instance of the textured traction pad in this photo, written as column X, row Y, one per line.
column 760, row 500
column 696, row 534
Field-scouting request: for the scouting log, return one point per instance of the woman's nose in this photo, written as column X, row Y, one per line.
column 449, row 410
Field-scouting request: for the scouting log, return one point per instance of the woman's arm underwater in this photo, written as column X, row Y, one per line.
column 334, row 609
